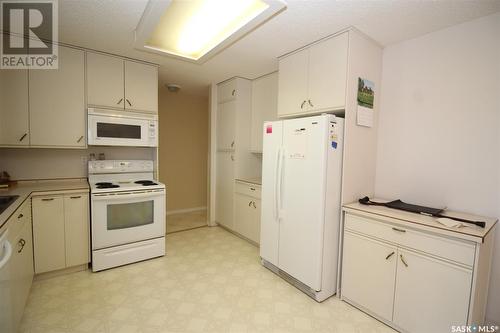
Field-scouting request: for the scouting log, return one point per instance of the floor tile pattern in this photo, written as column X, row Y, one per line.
column 210, row 281
column 186, row 221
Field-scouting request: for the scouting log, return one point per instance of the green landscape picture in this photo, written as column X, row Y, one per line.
column 366, row 93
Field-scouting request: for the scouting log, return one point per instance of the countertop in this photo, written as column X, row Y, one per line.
column 256, row 181
column 26, row 188
column 428, row 223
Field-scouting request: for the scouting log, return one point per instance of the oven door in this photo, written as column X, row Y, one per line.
column 126, row 217
column 106, row 130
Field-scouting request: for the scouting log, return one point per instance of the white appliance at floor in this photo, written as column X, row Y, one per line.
column 128, row 213
column 301, row 184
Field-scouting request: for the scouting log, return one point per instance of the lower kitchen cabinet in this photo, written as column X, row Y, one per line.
column 16, row 268
column 413, row 278
column 424, row 283
column 247, row 209
column 60, row 231
column 368, row 271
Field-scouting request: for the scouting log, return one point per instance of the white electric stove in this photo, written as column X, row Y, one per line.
column 128, row 212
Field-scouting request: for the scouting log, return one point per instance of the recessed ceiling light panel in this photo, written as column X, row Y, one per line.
column 196, row 30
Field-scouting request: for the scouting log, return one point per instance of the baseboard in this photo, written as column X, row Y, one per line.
column 187, row 210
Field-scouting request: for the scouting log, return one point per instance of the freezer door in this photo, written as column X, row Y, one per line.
column 305, row 143
column 269, row 224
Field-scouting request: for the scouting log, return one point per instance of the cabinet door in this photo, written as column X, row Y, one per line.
column 224, row 191
column 57, row 102
column 227, row 91
column 76, row 227
column 22, row 269
column 242, row 213
column 105, row 81
column 14, row 114
column 328, row 74
column 141, row 87
column 48, row 233
column 226, row 126
column 368, row 269
column 264, row 107
column 431, row 295
column 292, row 83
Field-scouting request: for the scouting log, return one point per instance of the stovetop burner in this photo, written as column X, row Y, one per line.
column 146, row 182
column 106, row 185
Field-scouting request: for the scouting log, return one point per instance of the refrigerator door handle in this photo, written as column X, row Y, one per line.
column 276, row 184
column 280, row 184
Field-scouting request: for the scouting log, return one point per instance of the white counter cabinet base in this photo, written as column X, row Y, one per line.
column 412, row 273
column 247, row 210
column 60, row 231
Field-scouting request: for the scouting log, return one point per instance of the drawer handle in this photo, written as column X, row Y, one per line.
column 253, row 204
column 22, row 138
column 76, row 197
column 249, row 203
column 389, row 255
column 47, row 199
column 403, row 260
column 398, row 230
column 311, row 104
column 233, row 92
column 20, row 216
column 21, row 242
column 79, row 139
column 120, row 101
column 302, row 105
column 130, row 104
column 252, row 189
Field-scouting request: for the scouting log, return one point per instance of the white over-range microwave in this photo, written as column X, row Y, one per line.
column 122, row 128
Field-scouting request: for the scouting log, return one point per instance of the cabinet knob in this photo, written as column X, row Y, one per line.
column 79, row 139
column 233, row 92
column 253, row 204
column 22, row 138
column 130, row 104
column 249, row 203
column 76, row 197
column 232, row 144
column 120, row 101
column 403, row 260
column 389, row 255
column 232, row 158
column 302, row 105
column 20, row 216
column 311, row 104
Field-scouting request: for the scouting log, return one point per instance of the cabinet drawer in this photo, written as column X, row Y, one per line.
column 459, row 251
column 248, row 189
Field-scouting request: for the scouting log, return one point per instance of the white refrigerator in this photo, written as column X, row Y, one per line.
column 301, row 184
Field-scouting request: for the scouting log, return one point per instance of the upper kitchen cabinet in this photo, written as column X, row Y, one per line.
column 105, row 81
column 141, row 87
column 264, row 107
column 14, row 108
column 227, row 91
column 57, row 102
column 313, row 79
column 121, row 84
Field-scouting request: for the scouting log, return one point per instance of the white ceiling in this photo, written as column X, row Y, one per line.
column 108, row 25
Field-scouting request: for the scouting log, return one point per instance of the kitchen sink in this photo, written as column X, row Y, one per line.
column 6, row 201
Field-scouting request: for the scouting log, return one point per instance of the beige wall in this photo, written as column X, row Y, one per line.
column 183, row 149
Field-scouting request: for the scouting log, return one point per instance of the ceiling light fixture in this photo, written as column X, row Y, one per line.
column 198, row 29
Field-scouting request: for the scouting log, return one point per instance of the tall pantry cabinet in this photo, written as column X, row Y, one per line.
column 232, row 137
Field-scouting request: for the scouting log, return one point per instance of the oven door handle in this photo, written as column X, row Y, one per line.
column 127, row 195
